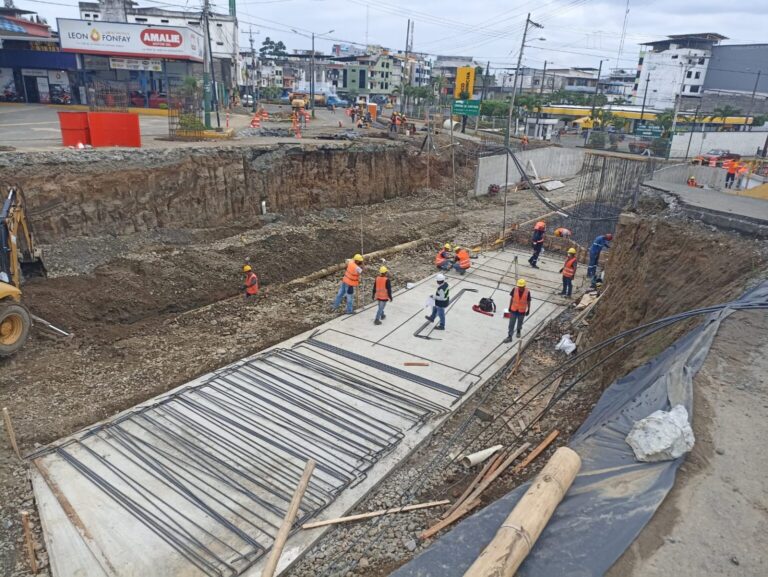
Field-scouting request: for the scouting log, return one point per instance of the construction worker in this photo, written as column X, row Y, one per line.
column 741, row 173
column 444, row 257
column 382, row 293
column 569, row 271
column 600, row 243
column 692, row 181
column 732, row 167
column 519, row 308
column 441, row 299
column 251, row 286
column 563, row 232
column 537, row 242
column 349, row 282
column 462, row 261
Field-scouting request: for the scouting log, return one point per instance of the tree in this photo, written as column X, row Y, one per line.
column 271, row 92
column 759, row 120
column 271, row 49
column 665, row 120
column 619, row 101
column 724, row 112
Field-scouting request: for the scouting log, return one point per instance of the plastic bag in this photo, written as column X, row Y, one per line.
column 661, row 436
column 429, row 303
column 566, row 345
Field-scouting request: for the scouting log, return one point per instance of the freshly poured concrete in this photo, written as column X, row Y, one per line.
column 88, row 533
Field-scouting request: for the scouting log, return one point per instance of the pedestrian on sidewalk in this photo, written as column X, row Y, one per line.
column 382, row 293
column 519, row 308
column 349, row 282
column 569, row 271
column 251, row 286
column 600, row 243
column 537, row 242
column 462, row 260
column 444, row 257
column 441, row 298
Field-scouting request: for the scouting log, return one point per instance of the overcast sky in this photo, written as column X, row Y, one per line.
column 576, row 32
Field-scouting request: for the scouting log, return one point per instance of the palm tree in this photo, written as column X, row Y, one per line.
column 665, row 120
column 724, row 112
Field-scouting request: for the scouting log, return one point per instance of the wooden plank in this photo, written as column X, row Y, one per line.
column 10, row 431
column 537, row 451
column 547, row 397
column 450, row 520
column 290, row 516
column 468, row 491
column 29, row 542
column 372, row 514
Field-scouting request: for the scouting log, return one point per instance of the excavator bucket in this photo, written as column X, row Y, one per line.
column 33, row 268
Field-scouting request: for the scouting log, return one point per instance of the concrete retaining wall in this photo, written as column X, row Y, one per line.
column 744, row 143
column 552, row 161
column 679, row 173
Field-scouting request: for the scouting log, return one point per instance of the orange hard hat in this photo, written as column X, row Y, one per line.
column 541, row 225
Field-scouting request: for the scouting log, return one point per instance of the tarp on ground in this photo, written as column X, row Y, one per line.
column 614, row 496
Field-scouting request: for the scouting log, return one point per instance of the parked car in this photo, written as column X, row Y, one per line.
column 138, row 99
column 717, row 155
column 334, row 100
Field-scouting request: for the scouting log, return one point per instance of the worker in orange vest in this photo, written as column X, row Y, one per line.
column 251, row 286
column 732, row 167
column 692, row 182
column 462, row 260
column 537, row 242
column 519, row 308
column 443, row 257
column 349, row 282
column 569, row 271
column 741, row 172
column 382, row 293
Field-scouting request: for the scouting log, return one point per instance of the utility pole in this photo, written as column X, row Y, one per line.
column 645, row 95
column 253, row 71
column 206, row 70
column 752, row 100
column 312, row 77
column 678, row 97
column 215, row 97
column 482, row 94
column 405, row 82
column 690, row 136
column 597, row 90
column 541, row 93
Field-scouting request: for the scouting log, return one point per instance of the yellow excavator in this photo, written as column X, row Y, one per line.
column 19, row 258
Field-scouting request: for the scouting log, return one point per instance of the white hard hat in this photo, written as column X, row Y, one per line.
column 440, row 278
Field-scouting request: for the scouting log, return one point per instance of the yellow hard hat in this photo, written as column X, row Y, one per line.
column 447, row 246
column 456, row 247
column 521, row 283
column 571, row 250
column 358, row 258
column 383, row 270
column 247, row 268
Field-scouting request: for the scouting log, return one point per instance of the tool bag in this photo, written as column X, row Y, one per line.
column 487, row 305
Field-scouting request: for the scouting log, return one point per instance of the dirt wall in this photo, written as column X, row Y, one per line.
column 89, row 193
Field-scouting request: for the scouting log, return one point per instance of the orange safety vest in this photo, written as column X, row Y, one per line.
column 381, row 288
column 732, row 166
column 440, row 259
column 743, row 169
column 464, row 261
column 519, row 303
column 251, row 283
column 569, row 269
column 351, row 276
column 564, row 232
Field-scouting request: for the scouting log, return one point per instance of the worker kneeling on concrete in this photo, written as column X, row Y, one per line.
column 519, row 308
column 462, row 260
column 441, row 299
column 444, row 257
column 349, row 282
column 600, row 243
column 251, row 286
column 569, row 271
column 382, row 294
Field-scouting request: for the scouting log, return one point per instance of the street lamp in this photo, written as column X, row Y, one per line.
column 312, row 67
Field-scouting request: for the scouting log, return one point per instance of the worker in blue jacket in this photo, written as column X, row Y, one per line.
column 600, row 243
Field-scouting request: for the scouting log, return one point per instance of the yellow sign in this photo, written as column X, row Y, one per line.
column 465, row 82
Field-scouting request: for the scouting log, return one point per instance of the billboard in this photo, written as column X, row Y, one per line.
column 465, row 82
column 120, row 39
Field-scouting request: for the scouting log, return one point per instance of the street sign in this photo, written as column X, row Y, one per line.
column 648, row 130
column 465, row 81
column 466, row 107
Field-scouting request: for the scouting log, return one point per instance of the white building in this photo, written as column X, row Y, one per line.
column 677, row 65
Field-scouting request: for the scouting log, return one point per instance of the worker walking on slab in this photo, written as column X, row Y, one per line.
column 444, row 257
column 349, row 282
column 462, row 261
column 519, row 308
column 442, row 299
column 382, row 293
column 537, row 242
column 600, row 243
column 251, row 286
column 569, row 271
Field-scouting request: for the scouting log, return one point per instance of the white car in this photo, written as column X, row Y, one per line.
column 246, row 100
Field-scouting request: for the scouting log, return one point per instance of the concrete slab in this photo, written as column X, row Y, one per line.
column 195, row 482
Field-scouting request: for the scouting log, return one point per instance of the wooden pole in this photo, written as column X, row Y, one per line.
column 517, row 535
column 372, row 514
column 10, row 431
column 519, row 355
column 29, row 542
column 282, row 535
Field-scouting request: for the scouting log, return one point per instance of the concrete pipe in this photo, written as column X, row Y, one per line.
column 447, row 124
column 476, row 458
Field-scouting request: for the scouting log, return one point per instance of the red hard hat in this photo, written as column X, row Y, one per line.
column 609, row 236
column 541, row 225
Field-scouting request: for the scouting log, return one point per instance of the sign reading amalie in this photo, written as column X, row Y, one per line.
column 137, row 40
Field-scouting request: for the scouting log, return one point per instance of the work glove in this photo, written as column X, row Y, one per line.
column 527, row 313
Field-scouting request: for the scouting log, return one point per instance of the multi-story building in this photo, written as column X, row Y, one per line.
column 445, row 67
column 737, row 75
column 672, row 67
column 580, row 79
column 619, row 84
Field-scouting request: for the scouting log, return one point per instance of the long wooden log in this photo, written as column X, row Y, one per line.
column 370, row 515
column 523, row 526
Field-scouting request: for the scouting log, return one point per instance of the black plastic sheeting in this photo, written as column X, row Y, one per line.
column 614, row 496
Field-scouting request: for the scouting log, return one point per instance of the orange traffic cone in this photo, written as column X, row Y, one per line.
column 255, row 121
column 264, row 115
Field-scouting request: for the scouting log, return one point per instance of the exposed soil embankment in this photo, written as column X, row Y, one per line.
column 659, row 267
column 89, row 193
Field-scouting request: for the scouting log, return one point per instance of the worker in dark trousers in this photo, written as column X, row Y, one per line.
column 600, row 243
column 442, row 299
column 519, row 308
column 569, row 271
column 251, row 286
column 537, row 242
column 382, row 294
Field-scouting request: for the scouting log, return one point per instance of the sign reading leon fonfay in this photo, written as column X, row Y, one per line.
column 120, row 39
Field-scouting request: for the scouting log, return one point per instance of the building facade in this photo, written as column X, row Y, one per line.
column 444, row 70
